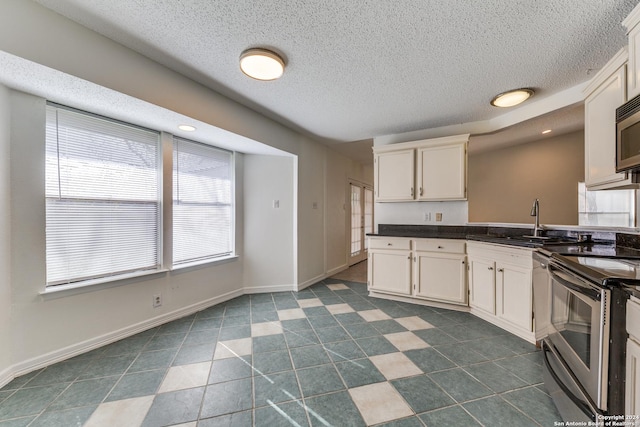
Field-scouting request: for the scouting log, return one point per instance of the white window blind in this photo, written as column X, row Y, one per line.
column 202, row 202
column 102, row 191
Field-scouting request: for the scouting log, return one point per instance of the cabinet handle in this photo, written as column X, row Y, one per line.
column 489, row 268
column 411, row 191
column 421, row 191
column 501, row 270
column 463, row 262
column 389, row 244
column 440, row 247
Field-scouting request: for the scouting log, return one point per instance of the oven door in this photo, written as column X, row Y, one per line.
column 579, row 330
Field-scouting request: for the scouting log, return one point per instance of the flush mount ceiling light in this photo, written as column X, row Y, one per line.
column 512, row 97
column 261, row 64
column 186, row 128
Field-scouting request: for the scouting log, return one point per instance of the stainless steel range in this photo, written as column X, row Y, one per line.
column 584, row 351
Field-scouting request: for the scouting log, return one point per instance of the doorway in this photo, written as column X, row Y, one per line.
column 361, row 220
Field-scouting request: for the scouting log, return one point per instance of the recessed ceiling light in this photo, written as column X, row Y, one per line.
column 261, row 64
column 186, row 128
column 512, row 97
column 544, row 132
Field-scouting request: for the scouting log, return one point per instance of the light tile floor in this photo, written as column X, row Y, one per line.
column 326, row 356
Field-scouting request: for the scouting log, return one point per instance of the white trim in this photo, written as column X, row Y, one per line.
column 410, row 300
column 337, row 270
column 310, row 282
column 430, row 142
column 91, row 344
column 268, row 289
column 65, row 290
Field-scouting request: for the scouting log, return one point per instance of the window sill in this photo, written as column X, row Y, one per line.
column 58, row 291
column 205, row 263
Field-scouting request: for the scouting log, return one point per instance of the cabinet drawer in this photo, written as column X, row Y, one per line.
column 390, row 243
column 633, row 318
column 501, row 253
column 441, row 245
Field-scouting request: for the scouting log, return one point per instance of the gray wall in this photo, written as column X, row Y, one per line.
column 504, row 182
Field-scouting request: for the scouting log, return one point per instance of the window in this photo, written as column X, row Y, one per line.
column 607, row 208
column 102, row 197
column 202, row 202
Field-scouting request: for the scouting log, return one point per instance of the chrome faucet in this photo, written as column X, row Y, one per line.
column 535, row 211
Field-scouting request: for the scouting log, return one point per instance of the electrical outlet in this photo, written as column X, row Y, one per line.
column 438, row 216
column 157, row 300
column 427, row 216
column 276, row 204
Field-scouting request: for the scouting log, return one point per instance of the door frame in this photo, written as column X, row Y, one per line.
column 363, row 253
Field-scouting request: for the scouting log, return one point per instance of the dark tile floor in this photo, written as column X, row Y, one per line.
column 325, row 356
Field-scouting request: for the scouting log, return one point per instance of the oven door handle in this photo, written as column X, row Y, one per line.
column 584, row 407
column 566, row 281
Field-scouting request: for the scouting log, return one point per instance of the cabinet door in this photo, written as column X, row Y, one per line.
column 442, row 172
column 513, row 295
column 441, row 277
column 633, row 88
column 482, row 281
column 394, row 173
column 390, row 271
column 600, row 130
column 632, row 387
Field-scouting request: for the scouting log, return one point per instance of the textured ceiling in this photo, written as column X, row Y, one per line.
column 359, row 69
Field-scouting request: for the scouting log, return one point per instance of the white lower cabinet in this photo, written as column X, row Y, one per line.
column 440, row 271
column 632, row 376
column 501, row 287
column 632, row 393
column 514, row 295
column 426, row 269
column 389, row 267
column 482, row 284
column 436, row 270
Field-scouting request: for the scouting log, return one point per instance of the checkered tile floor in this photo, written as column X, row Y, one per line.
column 326, row 356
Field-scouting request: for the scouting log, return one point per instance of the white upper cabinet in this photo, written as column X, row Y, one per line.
column 632, row 23
column 606, row 92
column 430, row 169
column 394, row 172
column 441, row 174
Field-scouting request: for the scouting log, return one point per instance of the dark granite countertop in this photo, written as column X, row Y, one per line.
column 603, row 243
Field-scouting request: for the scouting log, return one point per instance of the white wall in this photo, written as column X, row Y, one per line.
column 5, row 232
column 311, row 228
column 269, row 236
column 453, row 213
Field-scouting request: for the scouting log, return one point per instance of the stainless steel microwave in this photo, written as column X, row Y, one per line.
column 628, row 136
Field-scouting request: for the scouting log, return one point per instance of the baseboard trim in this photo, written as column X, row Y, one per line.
column 56, row 356
column 312, row 281
column 418, row 301
column 267, row 289
column 337, row 270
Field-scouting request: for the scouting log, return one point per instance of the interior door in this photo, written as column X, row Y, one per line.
column 361, row 220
